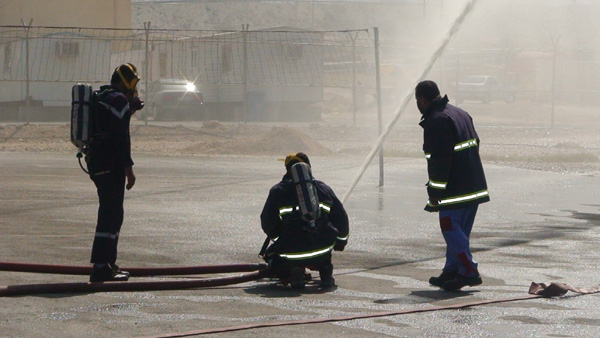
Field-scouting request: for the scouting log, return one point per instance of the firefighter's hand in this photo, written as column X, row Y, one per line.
column 339, row 245
column 435, row 201
column 130, row 177
column 136, row 104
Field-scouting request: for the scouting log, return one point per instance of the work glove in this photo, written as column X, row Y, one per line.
column 136, row 104
column 339, row 245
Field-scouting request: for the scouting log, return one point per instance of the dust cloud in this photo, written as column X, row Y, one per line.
column 543, row 50
column 545, row 53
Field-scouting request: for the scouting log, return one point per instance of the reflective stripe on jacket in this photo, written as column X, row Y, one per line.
column 280, row 220
column 451, row 147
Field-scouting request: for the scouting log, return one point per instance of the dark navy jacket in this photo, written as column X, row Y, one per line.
column 451, row 146
column 111, row 149
column 280, row 220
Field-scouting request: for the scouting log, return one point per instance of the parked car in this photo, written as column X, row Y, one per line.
column 174, row 99
column 484, row 88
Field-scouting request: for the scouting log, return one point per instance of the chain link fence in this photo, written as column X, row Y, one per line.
column 263, row 75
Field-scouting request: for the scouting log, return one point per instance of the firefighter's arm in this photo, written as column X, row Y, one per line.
column 439, row 148
column 135, row 103
column 339, row 219
column 119, row 128
column 269, row 217
column 130, row 177
column 438, row 168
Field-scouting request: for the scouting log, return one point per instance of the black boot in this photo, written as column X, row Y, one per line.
column 107, row 274
column 297, row 278
column 326, row 275
column 117, row 270
column 461, row 281
column 443, row 278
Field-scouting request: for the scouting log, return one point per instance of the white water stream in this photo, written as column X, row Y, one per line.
column 434, row 57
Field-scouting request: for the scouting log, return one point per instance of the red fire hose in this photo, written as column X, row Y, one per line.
column 19, row 290
column 536, row 290
column 31, row 289
column 134, row 272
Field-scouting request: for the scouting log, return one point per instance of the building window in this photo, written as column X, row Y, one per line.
column 7, row 57
column 195, row 58
column 294, row 51
column 67, row 49
column 226, row 58
column 162, row 64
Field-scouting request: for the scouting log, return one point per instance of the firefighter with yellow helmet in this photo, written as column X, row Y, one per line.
column 111, row 168
column 305, row 221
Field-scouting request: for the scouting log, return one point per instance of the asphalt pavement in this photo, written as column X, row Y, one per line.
column 539, row 227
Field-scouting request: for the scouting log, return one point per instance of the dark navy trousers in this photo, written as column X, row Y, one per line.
column 111, row 194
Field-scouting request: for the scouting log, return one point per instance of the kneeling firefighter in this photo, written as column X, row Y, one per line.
column 305, row 221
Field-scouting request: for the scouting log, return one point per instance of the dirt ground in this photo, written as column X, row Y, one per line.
column 542, row 225
column 514, row 135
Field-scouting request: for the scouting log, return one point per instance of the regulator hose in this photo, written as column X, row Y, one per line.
column 79, row 156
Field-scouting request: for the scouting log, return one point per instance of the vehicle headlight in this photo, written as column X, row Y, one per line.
column 190, row 87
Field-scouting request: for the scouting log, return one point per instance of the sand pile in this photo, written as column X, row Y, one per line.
column 36, row 138
column 560, row 150
column 275, row 141
column 172, row 140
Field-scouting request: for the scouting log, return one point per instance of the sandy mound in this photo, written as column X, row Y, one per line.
column 560, row 150
column 172, row 140
column 36, row 138
column 276, row 141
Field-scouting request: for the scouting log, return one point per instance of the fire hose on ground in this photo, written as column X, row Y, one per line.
column 536, row 290
column 133, row 272
column 257, row 271
column 254, row 272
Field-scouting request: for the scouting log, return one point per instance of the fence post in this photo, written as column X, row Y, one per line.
column 312, row 15
column 27, row 79
column 245, row 69
column 378, row 94
column 353, row 37
column 553, row 93
column 146, row 66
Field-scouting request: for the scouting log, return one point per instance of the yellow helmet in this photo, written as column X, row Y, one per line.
column 127, row 74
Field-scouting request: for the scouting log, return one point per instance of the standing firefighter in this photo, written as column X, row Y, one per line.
column 111, row 168
column 306, row 222
column 456, row 183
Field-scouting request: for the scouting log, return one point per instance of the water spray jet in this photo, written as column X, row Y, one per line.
column 455, row 26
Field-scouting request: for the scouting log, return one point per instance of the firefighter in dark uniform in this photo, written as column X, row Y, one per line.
column 111, row 168
column 456, row 183
column 296, row 244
